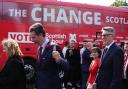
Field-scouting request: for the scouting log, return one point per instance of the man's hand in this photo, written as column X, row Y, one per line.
column 56, row 56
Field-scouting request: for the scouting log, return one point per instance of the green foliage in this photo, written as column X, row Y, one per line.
column 118, row 3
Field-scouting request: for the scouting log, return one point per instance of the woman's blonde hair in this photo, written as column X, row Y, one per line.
column 12, row 47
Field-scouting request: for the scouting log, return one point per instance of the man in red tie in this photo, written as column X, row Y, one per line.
column 50, row 64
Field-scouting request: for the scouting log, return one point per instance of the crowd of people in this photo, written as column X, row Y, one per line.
column 86, row 67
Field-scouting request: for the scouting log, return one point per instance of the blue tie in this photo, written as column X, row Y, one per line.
column 104, row 53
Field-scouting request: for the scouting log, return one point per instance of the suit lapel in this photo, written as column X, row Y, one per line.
column 45, row 55
column 107, row 54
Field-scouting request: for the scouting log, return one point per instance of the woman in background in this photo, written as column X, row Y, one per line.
column 95, row 64
column 12, row 76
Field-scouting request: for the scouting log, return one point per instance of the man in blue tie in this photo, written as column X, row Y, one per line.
column 111, row 69
column 50, row 65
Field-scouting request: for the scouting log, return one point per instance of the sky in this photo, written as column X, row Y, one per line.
column 95, row 2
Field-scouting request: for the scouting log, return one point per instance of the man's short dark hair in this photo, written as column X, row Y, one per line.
column 38, row 29
column 66, row 43
column 85, row 41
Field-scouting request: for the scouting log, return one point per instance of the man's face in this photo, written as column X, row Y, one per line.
column 72, row 45
column 36, row 38
column 84, row 44
column 107, row 39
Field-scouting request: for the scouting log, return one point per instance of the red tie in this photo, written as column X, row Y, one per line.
column 39, row 54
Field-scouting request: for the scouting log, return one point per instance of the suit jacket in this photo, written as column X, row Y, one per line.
column 86, row 60
column 12, row 75
column 48, row 71
column 124, row 82
column 111, row 69
column 73, row 58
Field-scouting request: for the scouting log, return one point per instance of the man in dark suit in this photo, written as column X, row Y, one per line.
column 86, row 61
column 50, row 63
column 112, row 59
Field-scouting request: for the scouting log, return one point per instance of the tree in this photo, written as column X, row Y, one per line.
column 118, row 3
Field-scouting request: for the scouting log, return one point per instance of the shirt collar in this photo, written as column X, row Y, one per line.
column 108, row 46
column 44, row 42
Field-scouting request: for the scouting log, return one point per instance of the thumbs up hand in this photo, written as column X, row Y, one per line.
column 56, row 56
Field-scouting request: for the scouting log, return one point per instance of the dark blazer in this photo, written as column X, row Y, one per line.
column 85, row 67
column 86, row 60
column 48, row 71
column 111, row 69
column 12, row 75
column 73, row 58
